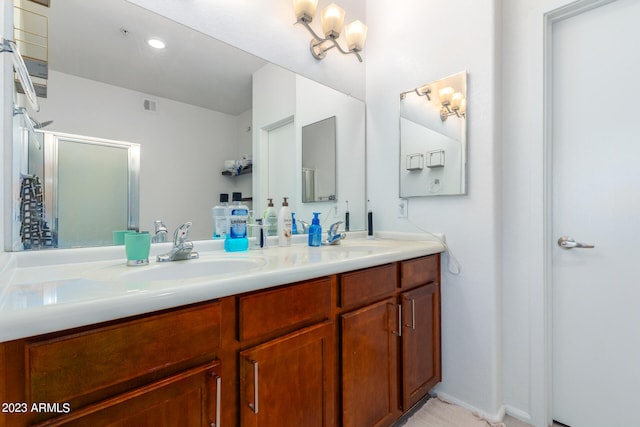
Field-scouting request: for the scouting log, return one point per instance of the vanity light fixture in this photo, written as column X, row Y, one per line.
column 332, row 18
column 452, row 103
column 424, row 91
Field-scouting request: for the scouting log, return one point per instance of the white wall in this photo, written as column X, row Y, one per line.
column 409, row 44
column 182, row 151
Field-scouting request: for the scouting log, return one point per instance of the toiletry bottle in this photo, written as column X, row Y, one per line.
column 271, row 219
column 294, row 226
column 261, row 235
column 220, row 215
column 250, row 224
column 284, row 224
column 346, row 217
column 237, row 237
column 369, row 222
column 315, row 231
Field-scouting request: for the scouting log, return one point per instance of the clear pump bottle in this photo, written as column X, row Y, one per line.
column 271, row 219
column 220, row 215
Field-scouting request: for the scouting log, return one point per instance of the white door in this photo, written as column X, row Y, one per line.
column 596, row 200
column 282, row 164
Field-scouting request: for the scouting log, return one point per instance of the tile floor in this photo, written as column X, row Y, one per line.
column 513, row 422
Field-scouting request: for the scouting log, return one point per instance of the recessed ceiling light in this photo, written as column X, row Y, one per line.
column 155, row 43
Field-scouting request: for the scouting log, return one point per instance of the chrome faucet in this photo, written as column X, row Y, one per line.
column 333, row 236
column 160, row 232
column 182, row 249
column 304, row 226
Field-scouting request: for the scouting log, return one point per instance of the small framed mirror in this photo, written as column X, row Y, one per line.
column 433, row 138
column 319, row 161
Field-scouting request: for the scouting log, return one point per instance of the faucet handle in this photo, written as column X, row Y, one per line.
column 181, row 233
column 159, row 226
column 333, row 228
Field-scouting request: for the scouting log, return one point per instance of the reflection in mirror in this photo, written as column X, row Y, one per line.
column 80, row 168
column 188, row 106
column 433, row 138
column 284, row 103
column 319, row 161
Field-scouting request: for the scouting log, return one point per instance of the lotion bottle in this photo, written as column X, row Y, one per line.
column 284, row 224
column 271, row 219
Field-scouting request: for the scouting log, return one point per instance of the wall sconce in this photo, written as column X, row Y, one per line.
column 452, row 103
column 332, row 18
column 424, row 91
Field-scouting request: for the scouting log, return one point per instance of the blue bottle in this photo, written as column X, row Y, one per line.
column 294, row 226
column 315, row 231
column 236, row 240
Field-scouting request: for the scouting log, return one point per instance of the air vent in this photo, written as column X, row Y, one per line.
column 150, row 105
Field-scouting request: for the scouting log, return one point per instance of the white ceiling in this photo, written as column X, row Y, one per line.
column 86, row 39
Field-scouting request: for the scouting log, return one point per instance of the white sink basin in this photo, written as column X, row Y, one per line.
column 192, row 269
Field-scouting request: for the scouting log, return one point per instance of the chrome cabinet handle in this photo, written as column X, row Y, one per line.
column 566, row 242
column 218, row 398
column 254, row 405
column 399, row 332
column 413, row 315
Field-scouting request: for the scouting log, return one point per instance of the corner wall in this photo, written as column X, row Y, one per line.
column 410, row 44
column 524, row 325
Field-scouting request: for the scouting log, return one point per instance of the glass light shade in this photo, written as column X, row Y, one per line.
column 356, row 34
column 445, row 95
column 456, row 100
column 332, row 20
column 463, row 106
column 305, row 9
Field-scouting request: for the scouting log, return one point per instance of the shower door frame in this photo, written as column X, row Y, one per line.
column 51, row 183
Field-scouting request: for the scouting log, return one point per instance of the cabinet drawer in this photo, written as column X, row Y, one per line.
column 419, row 271
column 189, row 398
column 88, row 366
column 362, row 286
column 266, row 312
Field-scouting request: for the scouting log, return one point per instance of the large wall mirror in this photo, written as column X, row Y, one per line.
column 190, row 107
column 433, row 138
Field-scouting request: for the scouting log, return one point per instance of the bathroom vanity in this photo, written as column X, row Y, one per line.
column 333, row 336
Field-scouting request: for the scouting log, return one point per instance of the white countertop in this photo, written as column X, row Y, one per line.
column 49, row 291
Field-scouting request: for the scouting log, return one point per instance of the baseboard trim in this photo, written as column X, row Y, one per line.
column 519, row 414
column 492, row 418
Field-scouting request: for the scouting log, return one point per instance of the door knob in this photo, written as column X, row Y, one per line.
column 566, row 242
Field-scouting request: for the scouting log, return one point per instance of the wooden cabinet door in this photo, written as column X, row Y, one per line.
column 290, row 381
column 421, row 368
column 191, row 398
column 369, row 365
